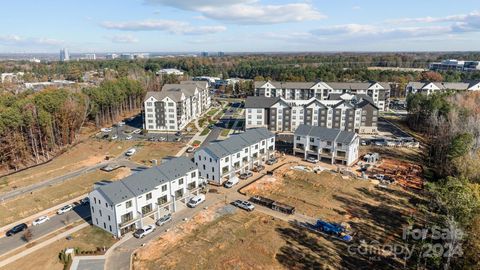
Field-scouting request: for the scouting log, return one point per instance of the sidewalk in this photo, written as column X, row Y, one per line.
column 42, row 244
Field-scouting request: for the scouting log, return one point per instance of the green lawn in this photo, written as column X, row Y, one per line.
column 205, row 132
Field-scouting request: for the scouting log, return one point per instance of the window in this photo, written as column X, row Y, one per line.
column 149, row 196
column 238, row 155
column 298, row 138
column 180, row 181
column 246, row 150
column 128, row 204
column 95, row 199
column 193, row 175
column 225, row 170
column 100, row 211
column 106, row 205
column 162, row 200
column 104, row 225
column 226, row 159
column 312, row 139
column 329, row 143
column 149, row 103
column 164, row 188
column 110, row 226
column 339, row 144
column 93, row 210
column 108, row 217
column 146, row 209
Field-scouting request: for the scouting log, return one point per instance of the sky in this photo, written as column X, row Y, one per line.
column 102, row 26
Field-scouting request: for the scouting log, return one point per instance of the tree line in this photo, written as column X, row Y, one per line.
column 36, row 125
column 451, row 124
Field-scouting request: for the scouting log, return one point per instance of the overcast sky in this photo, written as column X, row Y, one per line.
column 239, row 25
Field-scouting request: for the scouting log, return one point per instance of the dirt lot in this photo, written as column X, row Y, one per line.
column 85, row 154
column 156, row 150
column 26, row 205
column 87, row 239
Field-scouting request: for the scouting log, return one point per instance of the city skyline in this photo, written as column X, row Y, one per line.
column 239, row 26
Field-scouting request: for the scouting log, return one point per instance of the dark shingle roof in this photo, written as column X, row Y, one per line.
column 260, row 102
column 144, row 181
column 327, row 134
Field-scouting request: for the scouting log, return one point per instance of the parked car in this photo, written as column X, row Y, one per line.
column 137, row 131
column 121, row 124
column 312, row 160
column 128, row 137
column 106, row 130
column 178, row 133
column 18, row 228
column 110, row 168
column 193, row 202
column 246, row 175
column 178, row 139
column 130, row 152
column 258, row 168
column 231, row 182
column 161, row 221
column 211, row 126
column 65, row 209
column 140, row 233
column 190, row 149
column 85, row 200
column 244, row 205
column 40, row 220
column 162, row 139
column 114, row 137
column 272, row 161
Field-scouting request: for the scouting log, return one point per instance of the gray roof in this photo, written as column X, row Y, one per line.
column 260, row 101
column 145, row 181
column 237, row 142
column 444, row 85
column 326, row 134
column 333, row 85
column 175, row 91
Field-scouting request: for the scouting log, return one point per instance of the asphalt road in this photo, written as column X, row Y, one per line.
column 56, row 222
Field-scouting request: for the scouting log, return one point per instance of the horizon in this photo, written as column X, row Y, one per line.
column 240, row 26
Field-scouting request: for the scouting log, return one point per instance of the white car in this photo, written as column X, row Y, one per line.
column 312, row 160
column 244, row 205
column 140, row 233
column 106, row 130
column 196, row 200
column 130, row 152
column 121, row 124
column 40, row 220
column 114, row 137
column 65, row 209
column 137, row 131
column 129, row 137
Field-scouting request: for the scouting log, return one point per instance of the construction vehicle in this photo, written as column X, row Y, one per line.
column 332, row 229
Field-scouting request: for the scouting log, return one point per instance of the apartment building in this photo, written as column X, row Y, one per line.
column 140, row 199
column 333, row 146
column 378, row 91
column 436, row 87
column 355, row 113
column 224, row 160
column 175, row 106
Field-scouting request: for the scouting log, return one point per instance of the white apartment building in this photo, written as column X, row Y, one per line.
column 333, row 146
column 455, row 65
column 221, row 161
column 142, row 198
column 346, row 112
column 378, row 91
column 436, row 87
column 175, row 106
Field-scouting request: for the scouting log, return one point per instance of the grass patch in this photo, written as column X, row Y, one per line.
column 156, row 150
column 196, row 143
column 212, row 112
column 205, row 132
column 225, row 132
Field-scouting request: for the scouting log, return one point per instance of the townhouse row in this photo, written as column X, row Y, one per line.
column 175, row 105
column 221, row 161
column 142, row 198
column 429, row 88
column 354, row 113
column 333, row 146
column 378, row 91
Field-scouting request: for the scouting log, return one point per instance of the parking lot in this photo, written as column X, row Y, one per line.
column 132, row 129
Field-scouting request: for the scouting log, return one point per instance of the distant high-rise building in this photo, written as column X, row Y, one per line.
column 220, row 54
column 112, row 56
column 90, row 56
column 204, row 54
column 64, row 55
